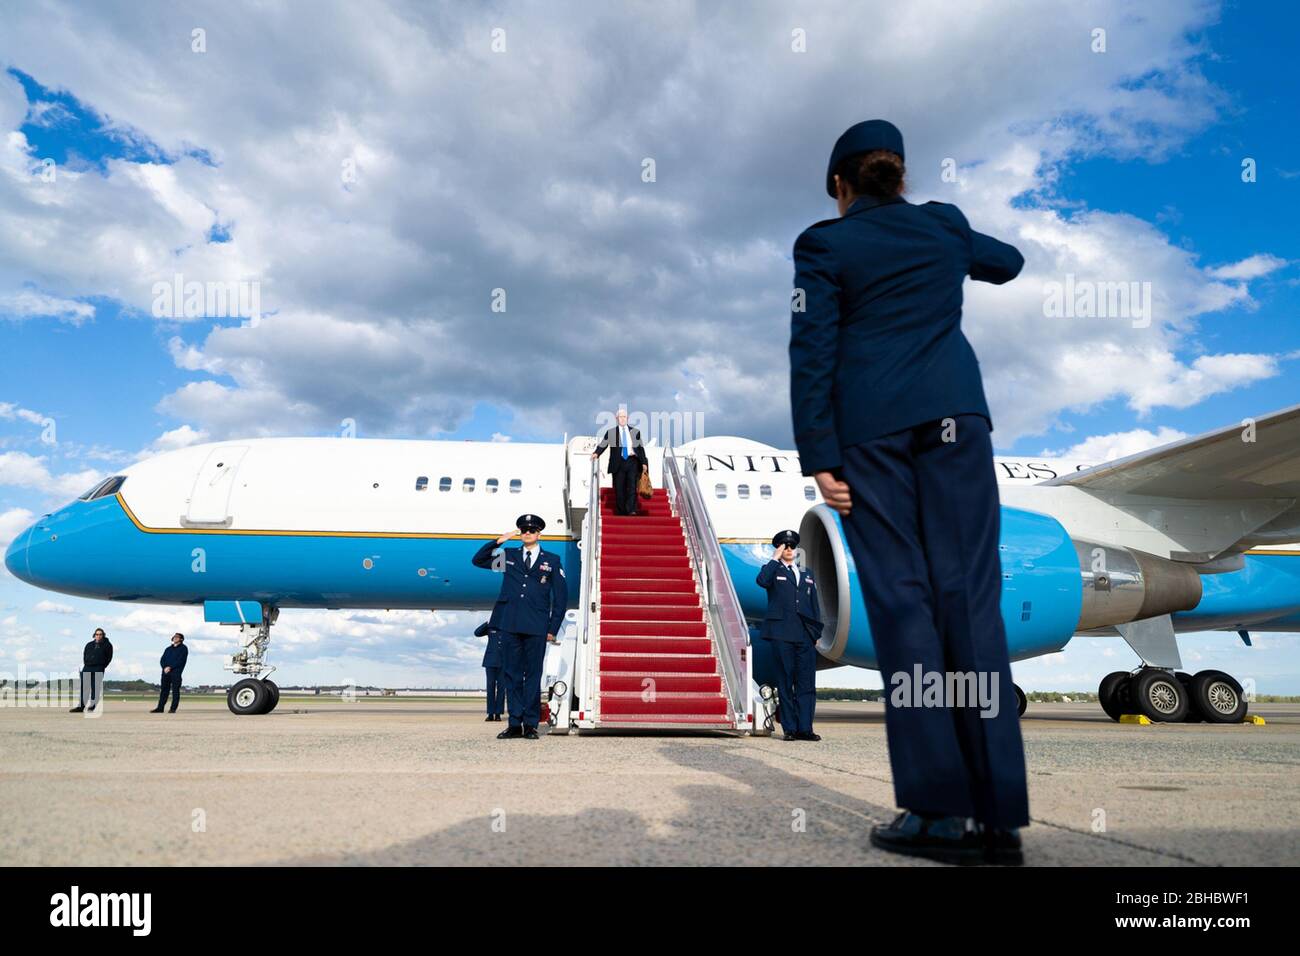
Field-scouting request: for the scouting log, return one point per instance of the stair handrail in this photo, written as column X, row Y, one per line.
column 588, row 591
column 723, row 606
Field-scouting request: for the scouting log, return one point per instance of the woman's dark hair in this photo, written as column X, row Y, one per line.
column 878, row 173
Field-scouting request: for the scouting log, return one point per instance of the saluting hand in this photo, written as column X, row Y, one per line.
column 835, row 492
column 507, row 536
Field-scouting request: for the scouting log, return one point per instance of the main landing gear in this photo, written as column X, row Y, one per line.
column 255, row 694
column 1168, row 696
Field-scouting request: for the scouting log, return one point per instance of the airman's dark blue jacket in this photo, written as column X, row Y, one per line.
column 878, row 347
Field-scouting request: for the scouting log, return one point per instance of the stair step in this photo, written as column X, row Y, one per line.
column 667, row 721
column 677, row 665
column 642, row 562
column 609, row 549
column 694, row 704
column 660, row 586
column 655, row 645
column 660, row 629
column 661, row 683
column 624, row 579
column 657, row 613
column 661, row 599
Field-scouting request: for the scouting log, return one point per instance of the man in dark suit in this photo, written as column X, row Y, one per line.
column 794, row 623
column 890, row 419
column 173, row 665
column 627, row 460
column 95, row 658
column 529, row 611
column 496, row 685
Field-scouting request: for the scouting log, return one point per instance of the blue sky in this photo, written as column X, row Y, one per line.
column 523, row 171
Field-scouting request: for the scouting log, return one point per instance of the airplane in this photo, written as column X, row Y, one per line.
column 1196, row 535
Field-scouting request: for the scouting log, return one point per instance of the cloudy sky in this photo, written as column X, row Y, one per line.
column 629, row 179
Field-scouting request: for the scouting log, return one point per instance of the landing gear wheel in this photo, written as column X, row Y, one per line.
column 1021, row 701
column 1160, row 696
column 1115, row 695
column 272, row 696
column 248, row 696
column 1218, row 697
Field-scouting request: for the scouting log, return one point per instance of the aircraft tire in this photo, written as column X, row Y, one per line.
column 272, row 696
column 248, row 696
column 1160, row 696
column 1115, row 694
column 1022, row 702
column 1218, row 697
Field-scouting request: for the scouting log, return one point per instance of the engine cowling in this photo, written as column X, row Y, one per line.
column 1052, row 586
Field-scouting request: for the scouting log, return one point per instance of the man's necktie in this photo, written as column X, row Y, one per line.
column 623, row 432
column 528, row 561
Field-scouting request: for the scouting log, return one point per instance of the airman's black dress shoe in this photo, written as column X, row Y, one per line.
column 156, row 710
column 530, row 733
column 945, row 839
column 808, row 736
column 1002, row 847
column 789, row 737
column 75, row 710
column 510, row 732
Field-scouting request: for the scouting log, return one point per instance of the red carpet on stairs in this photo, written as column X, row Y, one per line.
column 657, row 664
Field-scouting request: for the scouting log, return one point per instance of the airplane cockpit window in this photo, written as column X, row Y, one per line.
column 467, row 485
column 742, row 491
column 765, row 492
column 720, row 490
column 109, row 486
column 422, row 483
column 516, row 486
column 490, row 486
column 809, row 492
column 444, row 483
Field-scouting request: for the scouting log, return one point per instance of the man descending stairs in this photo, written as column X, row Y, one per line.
column 657, row 664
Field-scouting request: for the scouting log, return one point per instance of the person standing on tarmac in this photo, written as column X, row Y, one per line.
column 95, row 658
column 890, row 419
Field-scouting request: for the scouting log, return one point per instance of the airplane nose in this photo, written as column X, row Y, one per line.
column 16, row 556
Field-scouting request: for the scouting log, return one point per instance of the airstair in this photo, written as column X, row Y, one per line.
column 661, row 639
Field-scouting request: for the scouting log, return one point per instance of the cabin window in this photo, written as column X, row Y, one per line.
column 742, row 491
column 765, row 492
column 490, row 486
column 422, row 483
column 720, row 490
column 516, row 486
column 468, row 485
column 444, row 483
column 809, row 492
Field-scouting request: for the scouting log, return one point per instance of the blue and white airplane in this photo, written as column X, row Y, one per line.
column 1196, row 535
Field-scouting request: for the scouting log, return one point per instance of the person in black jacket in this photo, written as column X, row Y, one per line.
column 627, row 460
column 173, row 665
column 891, row 420
column 95, row 658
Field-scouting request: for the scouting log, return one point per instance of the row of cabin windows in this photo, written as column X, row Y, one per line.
column 764, row 491
column 490, row 486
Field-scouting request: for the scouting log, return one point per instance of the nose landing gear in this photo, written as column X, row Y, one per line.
column 255, row 694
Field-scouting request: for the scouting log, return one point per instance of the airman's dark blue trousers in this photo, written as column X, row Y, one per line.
column 923, row 530
column 796, row 684
column 496, row 692
column 522, row 656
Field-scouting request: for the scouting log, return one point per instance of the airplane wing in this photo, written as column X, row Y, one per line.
column 1238, row 462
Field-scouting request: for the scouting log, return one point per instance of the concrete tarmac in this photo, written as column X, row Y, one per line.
column 400, row 781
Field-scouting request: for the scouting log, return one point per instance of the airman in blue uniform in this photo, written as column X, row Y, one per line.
column 793, row 623
column 492, row 659
column 890, row 419
column 529, row 612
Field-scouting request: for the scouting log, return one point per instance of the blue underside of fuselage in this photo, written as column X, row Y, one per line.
column 93, row 549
